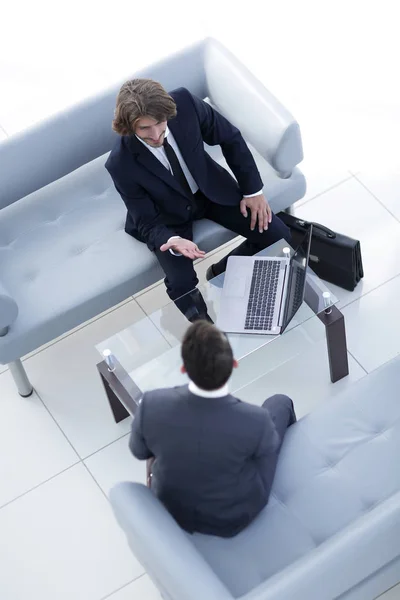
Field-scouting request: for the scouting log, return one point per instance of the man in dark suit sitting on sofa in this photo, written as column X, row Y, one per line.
column 167, row 180
column 214, row 455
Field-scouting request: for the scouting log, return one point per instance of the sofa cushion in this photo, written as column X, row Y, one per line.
column 8, row 309
column 65, row 257
column 336, row 465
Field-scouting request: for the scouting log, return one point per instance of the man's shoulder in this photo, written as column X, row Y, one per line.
column 180, row 93
column 115, row 153
column 251, row 412
column 118, row 155
column 154, row 397
column 183, row 98
column 247, row 407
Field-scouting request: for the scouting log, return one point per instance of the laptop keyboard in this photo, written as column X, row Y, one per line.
column 264, row 284
column 299, row 287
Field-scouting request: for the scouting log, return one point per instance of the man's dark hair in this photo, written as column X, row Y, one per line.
column 141, row 98
column 207, row 355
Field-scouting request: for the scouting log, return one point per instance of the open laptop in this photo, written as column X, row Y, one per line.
column 261, row 294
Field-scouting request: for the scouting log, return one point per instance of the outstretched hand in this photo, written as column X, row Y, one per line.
column 184, row 247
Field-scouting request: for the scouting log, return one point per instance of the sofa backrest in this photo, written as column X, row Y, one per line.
column 263, row 121
column 72, row 138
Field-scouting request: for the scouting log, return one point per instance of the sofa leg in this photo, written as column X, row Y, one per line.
column 290, row 210
column 20, row 377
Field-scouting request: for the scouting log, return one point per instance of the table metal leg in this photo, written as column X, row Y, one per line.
column 20, row 377
column 149, row 474
column 122, row 393
column 335, row 332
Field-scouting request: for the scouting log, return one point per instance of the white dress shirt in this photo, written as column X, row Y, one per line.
column 161, row 155
column 223, row 391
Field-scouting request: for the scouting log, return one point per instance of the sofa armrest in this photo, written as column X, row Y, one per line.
column 343, row 561
column 263, row 121
column 161, row 546
column 8, row 310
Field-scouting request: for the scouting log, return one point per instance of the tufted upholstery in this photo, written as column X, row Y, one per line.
column 64, row 255
column 333, row 520
column 70, row 250
column 8, row 310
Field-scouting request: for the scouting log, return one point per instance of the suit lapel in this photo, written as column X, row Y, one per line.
column 151, row 163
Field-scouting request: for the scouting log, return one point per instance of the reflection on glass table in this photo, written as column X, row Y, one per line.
column 146, row 355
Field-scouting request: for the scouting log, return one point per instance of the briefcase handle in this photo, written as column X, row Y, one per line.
column 317, row 226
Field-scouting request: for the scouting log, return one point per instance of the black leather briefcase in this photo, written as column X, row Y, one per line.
column 333, row 256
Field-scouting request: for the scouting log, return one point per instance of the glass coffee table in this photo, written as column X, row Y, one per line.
column 146, row 355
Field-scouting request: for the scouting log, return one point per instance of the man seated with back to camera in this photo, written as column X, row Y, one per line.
column 214, row 456
column 168, row 181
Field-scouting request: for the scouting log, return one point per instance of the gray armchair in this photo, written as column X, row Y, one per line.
column 331, row 528
column 64, row 255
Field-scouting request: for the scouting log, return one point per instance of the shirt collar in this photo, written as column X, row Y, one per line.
column 223, row 391
column 147, row 145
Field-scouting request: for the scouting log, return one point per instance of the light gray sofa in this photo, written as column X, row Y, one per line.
column 64, row 255
column 330, row 530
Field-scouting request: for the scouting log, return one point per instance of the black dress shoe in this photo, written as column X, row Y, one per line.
column 193, row 306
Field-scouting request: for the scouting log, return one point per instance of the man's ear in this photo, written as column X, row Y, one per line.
column 183, row 370
column 235, row 363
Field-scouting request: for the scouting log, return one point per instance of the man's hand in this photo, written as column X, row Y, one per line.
column 184, row 247
column 260, row 210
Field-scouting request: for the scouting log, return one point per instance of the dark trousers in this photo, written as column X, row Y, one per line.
column 180, row 276
column 281, row 410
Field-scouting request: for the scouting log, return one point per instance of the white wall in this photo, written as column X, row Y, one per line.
column 335, row 64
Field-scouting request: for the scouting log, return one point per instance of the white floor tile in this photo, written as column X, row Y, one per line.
column 153, row 299
column 384, row 183
column 373, row 326
column 32, row 447
column 115, row 463
column 66, row 379
column 320, row 178
column 383, row 127
column 304, row 377
column 140, row 589
column 63, row 538
column 350, row 209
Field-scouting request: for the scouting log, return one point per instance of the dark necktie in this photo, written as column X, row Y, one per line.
column 177, row 169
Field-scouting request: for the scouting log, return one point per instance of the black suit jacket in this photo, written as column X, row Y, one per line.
column 155, row 201
column 210, row 457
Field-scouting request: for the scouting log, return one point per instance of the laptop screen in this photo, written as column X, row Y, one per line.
column 297, row 279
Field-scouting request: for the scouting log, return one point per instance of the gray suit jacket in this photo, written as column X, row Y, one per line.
column 210, row 457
